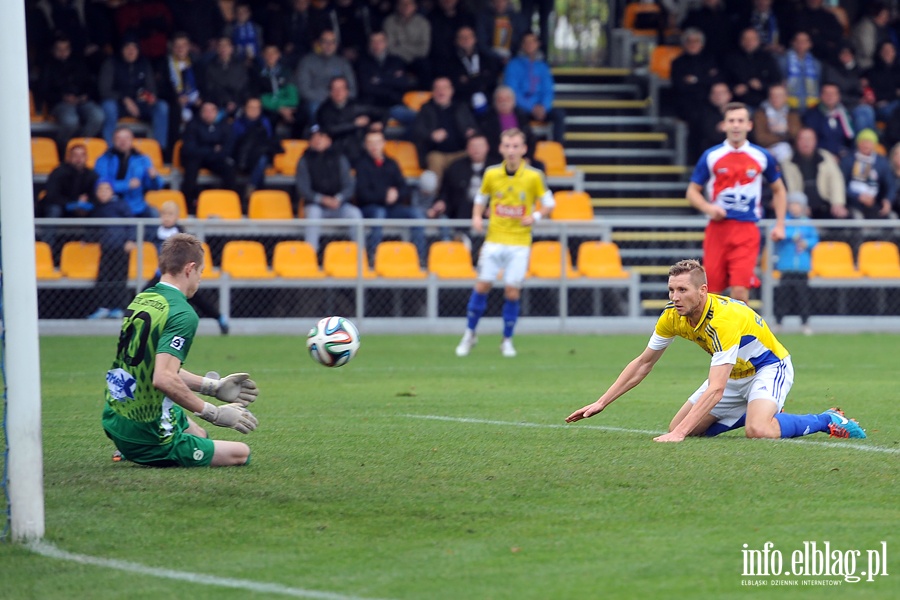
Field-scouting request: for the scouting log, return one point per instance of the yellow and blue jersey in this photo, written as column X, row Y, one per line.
column 730, row 331
column 511, row 198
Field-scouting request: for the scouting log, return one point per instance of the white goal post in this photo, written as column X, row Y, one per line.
column 25, row 484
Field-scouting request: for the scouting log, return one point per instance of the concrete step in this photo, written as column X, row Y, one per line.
column 631, row 187
column 577, row 156
column 617, row 136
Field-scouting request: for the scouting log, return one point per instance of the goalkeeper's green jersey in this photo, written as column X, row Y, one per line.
column 158, row 320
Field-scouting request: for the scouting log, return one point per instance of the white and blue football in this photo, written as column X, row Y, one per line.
column 333, row 341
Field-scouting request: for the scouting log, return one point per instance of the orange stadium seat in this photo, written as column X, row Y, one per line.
column 554, row 158
column 398, row 260
column 341, row 261
column 80, row 260
column 572, row 206
column 546, row 261
column 44, row 266
column 661, row 60
column 406, row 156
column 44, row 155
column 600, row 260
column 244, row 259
column 270, row 204
column 151, row 262
column 209, row 270
column 296, row 260
column 150, row 148
column 833, row 260
column 880, row 260
column 286, row 162
column 414, row 99
column 219, row 204
column 451, row 260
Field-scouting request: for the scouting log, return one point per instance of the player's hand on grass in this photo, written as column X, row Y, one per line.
column 233, row 416
column 583, row 413
column 670, row 437
column 237, row 387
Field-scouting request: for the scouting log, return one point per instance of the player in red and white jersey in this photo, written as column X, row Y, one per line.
column 727, row 186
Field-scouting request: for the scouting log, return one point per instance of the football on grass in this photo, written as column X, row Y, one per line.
column 333, row 341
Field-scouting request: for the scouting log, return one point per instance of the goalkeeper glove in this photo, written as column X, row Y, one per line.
column 232, row 415
column 237, row 387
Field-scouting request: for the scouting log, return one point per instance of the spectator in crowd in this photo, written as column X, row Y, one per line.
column 870, row 32
column 382, row 193
column 794, row 259
column 316, row 70
column 132, row 174
column 325, row 185
column 383, row 80
column 208, row 144
column 474, row 73
column 352, row 19
column 775, row 124
column 692, row 74
column 254, row 144
column 70, row 186
column 706, row 127
column 409, row 37
column 894, row 163
column 178, row 84
column 297, row 32
column 442, row 127
column 831, row 121
column 128, row 87
column 848, row 76
column 116, row 241
column 870, row 183
column 802, row 73
column 503, row 115
column 824, row 29
column 201, row 20
column 461, row 184
column 717, row 24
column 169, row 226
column 225, row 79
column 278, row 94
column 816, row 173
column 346, row 120
column 751, row 70
column 65, row 86
column 765, row 22
column 499, row 29
column 246, row 35
column 529, row 75
column 445, row 19
column 884, row 79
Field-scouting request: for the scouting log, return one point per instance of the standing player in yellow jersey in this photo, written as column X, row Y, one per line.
column 513, row 189
column 749, row 377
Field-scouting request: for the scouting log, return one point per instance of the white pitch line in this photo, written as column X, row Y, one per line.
column 50, row 551
column 848, row 446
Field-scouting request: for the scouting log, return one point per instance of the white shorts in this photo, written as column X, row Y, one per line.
column 512, row 260
column 771, row 383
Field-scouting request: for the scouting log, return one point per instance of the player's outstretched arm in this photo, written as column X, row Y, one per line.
column 718, row 379
column 630, row 377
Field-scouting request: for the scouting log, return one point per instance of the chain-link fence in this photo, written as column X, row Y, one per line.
column 257, row 270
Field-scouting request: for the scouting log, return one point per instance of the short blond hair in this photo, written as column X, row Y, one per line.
column 692, row 267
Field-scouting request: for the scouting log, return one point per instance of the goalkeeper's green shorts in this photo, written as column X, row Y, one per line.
column 183, row 450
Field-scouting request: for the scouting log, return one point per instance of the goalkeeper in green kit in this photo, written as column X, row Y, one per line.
column 147, row 391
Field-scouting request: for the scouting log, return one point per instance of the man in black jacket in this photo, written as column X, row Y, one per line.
column 474, row 73
column 64, row 87
column 383, row 79
column 751, row 70
column 225, row 80
column 345, row 119
column 325, row 185
column 382, row 193
column 442, row 127
column 70, row 184
column 462, row 181
column 208, row 144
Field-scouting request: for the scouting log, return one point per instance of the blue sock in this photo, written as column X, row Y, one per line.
column 799, row 425
column 476, row 307
column 719, row 428
column 510, row 316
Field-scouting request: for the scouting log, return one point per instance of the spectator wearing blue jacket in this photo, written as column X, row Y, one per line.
column 530, row 78
column 131, row 173
column 116, row 241
column 793, row 261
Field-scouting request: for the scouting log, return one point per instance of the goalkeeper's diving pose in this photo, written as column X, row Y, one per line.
column 147, row 391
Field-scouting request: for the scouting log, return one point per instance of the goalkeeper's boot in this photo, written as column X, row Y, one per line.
column 842, row 427
column 469, row 339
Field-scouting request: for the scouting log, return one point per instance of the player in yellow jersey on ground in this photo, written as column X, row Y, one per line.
column 749, row 377
column 513, row 189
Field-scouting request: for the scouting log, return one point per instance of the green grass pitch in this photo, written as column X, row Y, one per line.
column 350, row 494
